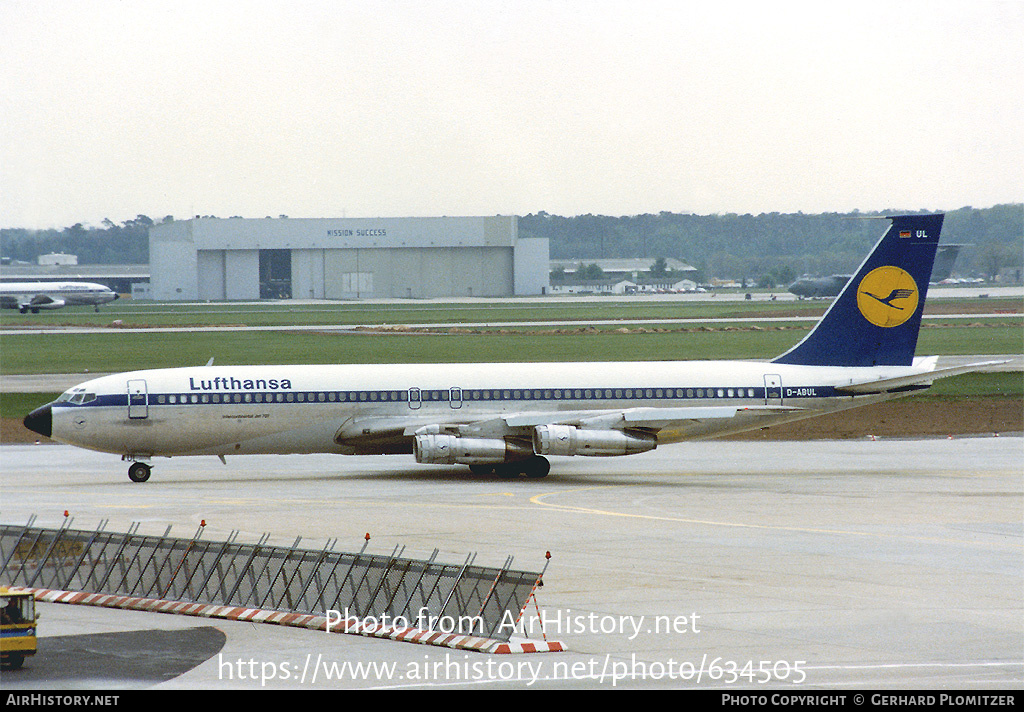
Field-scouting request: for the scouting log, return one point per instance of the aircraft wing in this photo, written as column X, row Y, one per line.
column 42, row 301
column 890, row 384
column 39, row 301
column 375, row 433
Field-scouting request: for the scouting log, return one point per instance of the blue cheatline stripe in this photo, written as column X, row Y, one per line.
column 468, row 395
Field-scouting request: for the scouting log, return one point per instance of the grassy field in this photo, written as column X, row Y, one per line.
column 122, row 349
column 333, row 313
column 127, row 350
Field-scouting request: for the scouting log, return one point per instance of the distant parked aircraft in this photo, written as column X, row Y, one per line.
column 33, row 296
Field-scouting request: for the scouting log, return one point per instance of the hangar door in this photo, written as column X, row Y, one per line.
column 275, row 274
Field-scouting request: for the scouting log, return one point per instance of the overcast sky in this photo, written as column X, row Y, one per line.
column 365, row 108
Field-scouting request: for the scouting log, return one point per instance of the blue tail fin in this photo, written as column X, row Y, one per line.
column 876, row 318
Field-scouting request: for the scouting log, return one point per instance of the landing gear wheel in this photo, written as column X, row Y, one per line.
column 139, row 472
column 536, row 467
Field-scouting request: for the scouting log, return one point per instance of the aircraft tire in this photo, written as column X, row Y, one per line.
column 139, row 472
column 536, row 467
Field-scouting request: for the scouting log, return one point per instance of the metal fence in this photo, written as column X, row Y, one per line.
column 423, row 592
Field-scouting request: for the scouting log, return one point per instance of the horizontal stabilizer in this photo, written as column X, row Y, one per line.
column 889, row 384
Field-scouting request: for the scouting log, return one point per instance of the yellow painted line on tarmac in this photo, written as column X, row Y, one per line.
column 539, row 501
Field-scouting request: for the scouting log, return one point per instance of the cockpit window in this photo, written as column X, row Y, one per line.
column 76, row 395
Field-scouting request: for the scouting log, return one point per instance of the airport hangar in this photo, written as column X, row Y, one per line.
column 345, row 258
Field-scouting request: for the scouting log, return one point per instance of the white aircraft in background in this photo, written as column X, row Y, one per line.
column 33, row 296
column 508, row 418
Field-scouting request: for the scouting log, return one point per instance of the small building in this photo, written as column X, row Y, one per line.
column 593, row 286
column 625, row 265
column 57, row 259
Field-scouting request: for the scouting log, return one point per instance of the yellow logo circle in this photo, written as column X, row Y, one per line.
column 887, row 296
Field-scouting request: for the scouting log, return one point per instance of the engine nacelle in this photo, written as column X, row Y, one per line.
column 569, row 440
column 438, row 449
column 34, row 308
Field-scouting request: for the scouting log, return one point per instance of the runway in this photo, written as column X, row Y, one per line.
column 727, row 565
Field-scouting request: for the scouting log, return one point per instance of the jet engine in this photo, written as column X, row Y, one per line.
column 34, row 307
column 443, row 449
column 569, row 440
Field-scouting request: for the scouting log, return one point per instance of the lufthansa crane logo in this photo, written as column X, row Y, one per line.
column 887, row 296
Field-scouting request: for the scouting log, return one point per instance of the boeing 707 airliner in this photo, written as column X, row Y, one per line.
column 33, row 296
column 509, row 418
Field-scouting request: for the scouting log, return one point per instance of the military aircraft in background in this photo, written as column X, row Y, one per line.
column 821, row 287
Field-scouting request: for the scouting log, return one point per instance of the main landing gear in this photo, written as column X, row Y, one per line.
column 532, row 467
column 139, row 471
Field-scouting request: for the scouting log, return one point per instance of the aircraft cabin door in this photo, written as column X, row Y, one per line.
column 455, row 397
column 772, row 389
column 415, row 399
column 138, row 399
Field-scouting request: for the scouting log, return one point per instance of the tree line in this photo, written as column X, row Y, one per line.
column 106, row 244
column 725, row 246
column 779, row 245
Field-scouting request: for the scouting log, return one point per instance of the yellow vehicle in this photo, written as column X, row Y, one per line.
column 18, row 626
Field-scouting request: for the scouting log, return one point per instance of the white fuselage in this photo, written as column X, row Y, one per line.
column 53, row 295
column 215, row 410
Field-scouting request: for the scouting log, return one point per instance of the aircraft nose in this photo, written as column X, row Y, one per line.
column 40, row 420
